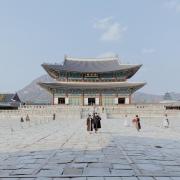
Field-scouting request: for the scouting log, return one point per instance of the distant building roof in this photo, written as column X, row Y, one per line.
column 9, row 100
column 171, row 102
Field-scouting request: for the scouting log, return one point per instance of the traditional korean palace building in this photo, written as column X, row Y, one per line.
column 86, row 81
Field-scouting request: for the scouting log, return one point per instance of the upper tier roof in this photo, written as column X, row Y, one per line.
column 96, row 65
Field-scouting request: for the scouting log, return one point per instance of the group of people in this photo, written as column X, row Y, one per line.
column 137, row 124
column 93, row 122
column 27, row 119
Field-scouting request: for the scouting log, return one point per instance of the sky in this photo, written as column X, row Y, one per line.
column 139, row 32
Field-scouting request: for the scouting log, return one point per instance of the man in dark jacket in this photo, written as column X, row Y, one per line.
column 95, row 121
column 98, row 121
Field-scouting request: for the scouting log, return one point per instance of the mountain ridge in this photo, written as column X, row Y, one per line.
column 33, row 93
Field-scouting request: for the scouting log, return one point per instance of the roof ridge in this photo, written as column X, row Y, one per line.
column 113, row 58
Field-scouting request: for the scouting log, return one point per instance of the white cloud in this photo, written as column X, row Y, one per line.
column 148, row 51
column 178, row 8
column 103, row 23
column 173, row 5
column 111, row 30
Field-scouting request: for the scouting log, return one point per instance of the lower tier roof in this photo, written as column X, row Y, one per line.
column 92, row 85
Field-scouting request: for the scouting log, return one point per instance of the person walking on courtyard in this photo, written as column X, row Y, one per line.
column 89, row 124
column 136, row 122
column 27, row 118
column 21, row 120
column 102, row 109
column 166, row 122
column 98, row 121
column 126, row 121
column 95, row 122
column 54, row 116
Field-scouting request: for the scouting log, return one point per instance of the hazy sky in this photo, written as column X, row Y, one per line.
column 141, row 31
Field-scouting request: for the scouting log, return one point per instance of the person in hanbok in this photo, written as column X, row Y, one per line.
column 166, row 122
column 98, row 121
column 89, row 123
column 54, row 116
column 95, row 122
column 126, row 121
column 136, row 122
column 27, row 118
column 22, row 121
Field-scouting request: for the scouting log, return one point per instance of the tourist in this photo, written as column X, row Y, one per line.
column 89, row 124
column 21, row 120
column 95, row 122
column 102, row 109
column 126, row 121
column 166, row 122
column 54, row 116
column 136, row 122
column 98, row 121
column 27, row 118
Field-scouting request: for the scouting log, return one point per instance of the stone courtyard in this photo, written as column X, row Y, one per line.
column 62, row 149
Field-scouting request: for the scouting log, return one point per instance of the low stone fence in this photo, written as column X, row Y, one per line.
column 143, row 110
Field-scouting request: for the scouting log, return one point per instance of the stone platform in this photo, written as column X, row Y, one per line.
column 62, row 149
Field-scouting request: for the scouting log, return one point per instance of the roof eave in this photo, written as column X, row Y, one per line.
column 52, row 74
column 135, row 70
column 120, row 67
column 48, row 86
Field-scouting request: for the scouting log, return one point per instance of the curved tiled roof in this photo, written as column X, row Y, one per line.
column 92, row 85
column 7, row 97
column 91, row 66
column 96, row 65
column 9, row 100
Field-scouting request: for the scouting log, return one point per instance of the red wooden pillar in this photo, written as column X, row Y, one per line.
column 53, row 99
column 100, row 99
column 130, row 99
column 82, row 98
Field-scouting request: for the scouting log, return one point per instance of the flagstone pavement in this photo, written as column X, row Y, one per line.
column 62, row 149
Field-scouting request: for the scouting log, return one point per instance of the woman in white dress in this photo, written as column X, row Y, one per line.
column 126, row 121
column 166, row 122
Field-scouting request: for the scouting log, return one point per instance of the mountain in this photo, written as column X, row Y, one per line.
column 175, row 96
column 140, row 97
column 33, row 93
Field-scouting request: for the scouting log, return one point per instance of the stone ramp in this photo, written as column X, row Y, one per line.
column 62, row 149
